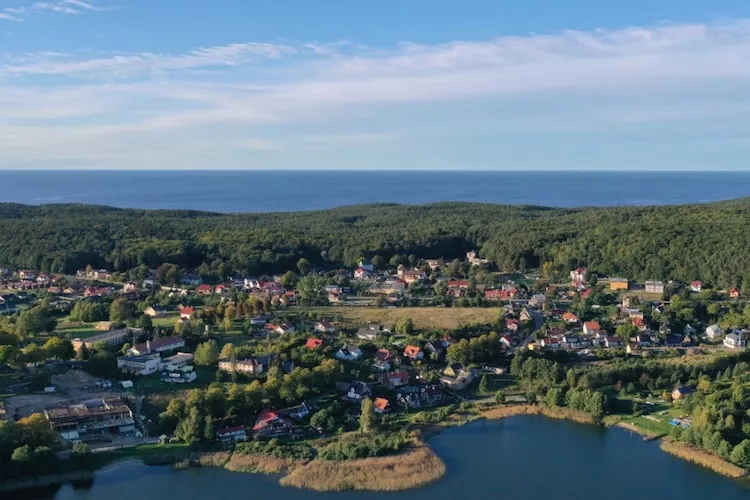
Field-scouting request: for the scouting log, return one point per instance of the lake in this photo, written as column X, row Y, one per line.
column 521, row 458
column 263, row 191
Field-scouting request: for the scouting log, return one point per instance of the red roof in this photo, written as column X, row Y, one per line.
column 586, row 293
column 383, row 354
column 400, row 375
column 569, row 316
column 695, row 283
column 458, row 283
column 639, row 321
column 313, row 343
column 592, row 325
column 204, row 288
column 264, row 418
column 188, row 311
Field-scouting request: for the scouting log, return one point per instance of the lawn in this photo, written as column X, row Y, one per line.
column 423, row 317
column 169, row 320
column 648, row 425
column 82, row 331
column 152, row 383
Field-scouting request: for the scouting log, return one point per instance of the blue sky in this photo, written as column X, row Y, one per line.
column 339, row 84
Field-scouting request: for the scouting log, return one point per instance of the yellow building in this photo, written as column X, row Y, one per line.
column 618, row 284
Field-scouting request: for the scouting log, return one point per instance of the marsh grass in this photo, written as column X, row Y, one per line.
column 702, row 458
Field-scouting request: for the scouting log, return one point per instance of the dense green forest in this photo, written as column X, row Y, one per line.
column 709, row 242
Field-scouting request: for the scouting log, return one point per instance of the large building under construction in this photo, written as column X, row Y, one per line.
column 91, row 418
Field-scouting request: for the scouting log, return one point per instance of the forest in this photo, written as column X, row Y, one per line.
column 705, row 242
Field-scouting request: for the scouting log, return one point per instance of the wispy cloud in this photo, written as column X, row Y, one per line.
column 70, row 7
column 107, row 103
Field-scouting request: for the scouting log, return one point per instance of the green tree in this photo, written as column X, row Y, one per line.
column 228, row 352
column 57, row 348
column 207, row 353
column 405, row 326
column 22, row 454
column 484, row 385
column 303, row 265
column 367, row 416
column 36, row 320
column 741, row 454
column 289, row 280
column 378, row 262
column 190, row 429
column 120, row 311
column 311, row 291
column 209, row 429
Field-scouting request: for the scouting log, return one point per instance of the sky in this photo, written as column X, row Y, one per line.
column 387, row 84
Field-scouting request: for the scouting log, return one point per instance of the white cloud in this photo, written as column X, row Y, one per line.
column 69, row 7
column 98, row 102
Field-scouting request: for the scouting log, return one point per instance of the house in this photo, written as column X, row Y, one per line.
column 187, row 312
column 369, row 332
column 433, row 263
column 734, row 293
column 689, row 330
column 231, row 434
column 586, row 293
column 458, row 284
column 258, row 320
column 381, row 406
column 158, row 312
column 551, row 342
column 653, row 286
column 569, row 318
column 473, row 258
column 511, row 325
column 145, row 364
column 506, row 340
column 324, row 327
column 204, row 289
column 382, row 360
column 643, row 339
column 248, row 366
column 613, row 341
column 358, row 391
column 735, row 340
column 361, row 273
column 94, row 417
column 367, row 265
column 578, row 275
column 714, row 332
column 640, row 323
column 271, row 424
column 392, row 380
column 158, row 345
column 179, row 360
column 681, row 392
column 435, row 347
column 221, row 289
column 497, row 295
column 349, row 353
column 280, row 329
column 537, row 300
column 313, row 343
column 591, row 327
column 696, row 286
column 178, row 375
column 526, row 315
column 104, row 326
column 456, row 377
column 618, row 284
column 413, row 352
column 632, row 348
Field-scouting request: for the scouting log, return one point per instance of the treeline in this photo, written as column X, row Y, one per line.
column 688, row 242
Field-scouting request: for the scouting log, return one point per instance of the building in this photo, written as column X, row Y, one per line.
column 115, row 337
column 591, row 327
column 186, row 312
column 734, row 293
column 158, row 312
column 358, row 391
column 735, row 340
column 271, row 424
column 681, row 392
column 249, row 366
column 349, row 353
column 231, row 434
column 473, row 258
column 179, row 360
column 178, row 375
column 367, row 265
column 579, row 275
column 139, row 364
column 696, row 286
column 618, row 284
column 714, row 332
column 570, row 318
column 324, row 327
column 381, row 406
column 392, row 380
column 457, row 377
column 313, row 343
column 91, row 418
column 369, row 332
column 413, row 352
column 104, row 326
column 158, row 345
column 654, row 286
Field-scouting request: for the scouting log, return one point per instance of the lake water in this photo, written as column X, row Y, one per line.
column 522, row 458
column 262, row 191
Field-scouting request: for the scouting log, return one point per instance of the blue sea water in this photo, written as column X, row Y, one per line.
column 264, row 191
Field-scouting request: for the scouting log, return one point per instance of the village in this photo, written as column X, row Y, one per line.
column 331, row 339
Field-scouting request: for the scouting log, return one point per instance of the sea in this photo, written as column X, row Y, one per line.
column 274, row 191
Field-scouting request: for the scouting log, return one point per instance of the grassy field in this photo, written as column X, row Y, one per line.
column 73, row 331
column 423, row 317
column 169, row 320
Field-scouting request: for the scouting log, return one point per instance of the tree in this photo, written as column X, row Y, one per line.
column 311, row 290
column 741, row 454
column 36, row 320
column 22, row 454
column 80, row 449
column 120, row 311
column 378, row 262
column 626, row 331
column 228, row 352
column 11, row 356
column 303, row 265
column 484, row 385
column 207, row 353
column 190, row 428
column 83, row 353
column 55, row 347
column 405, row 326
column 209, row 429
column 367, row 417
column 288, row 279
column 35, row 431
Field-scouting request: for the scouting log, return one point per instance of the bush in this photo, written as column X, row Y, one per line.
column 364, row 447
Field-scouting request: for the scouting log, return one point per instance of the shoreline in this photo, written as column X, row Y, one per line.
column 413, row 468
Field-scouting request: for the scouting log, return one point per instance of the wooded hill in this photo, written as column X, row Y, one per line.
column 709, row 242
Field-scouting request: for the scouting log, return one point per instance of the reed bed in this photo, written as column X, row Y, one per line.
column 702, row 458
column 558, row 413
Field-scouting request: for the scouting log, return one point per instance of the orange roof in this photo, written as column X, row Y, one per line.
column 412, row 350
column 313, row 343
column 592, row 325
column 570, row 316
column 380, row 404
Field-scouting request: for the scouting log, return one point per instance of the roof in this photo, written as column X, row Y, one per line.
column 313, row 343
column 265, row 417
column 684, row 390
column 161, row 344
column 230, row 430
column 186, row 310
column 383, row 354
column 411, row 350
column 592, row 325
column 380, row 404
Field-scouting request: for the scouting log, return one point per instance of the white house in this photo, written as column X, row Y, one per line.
column 735, row 340
column 366, row 265
column 349, row 353
column 714, row 332
column 139, row 364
